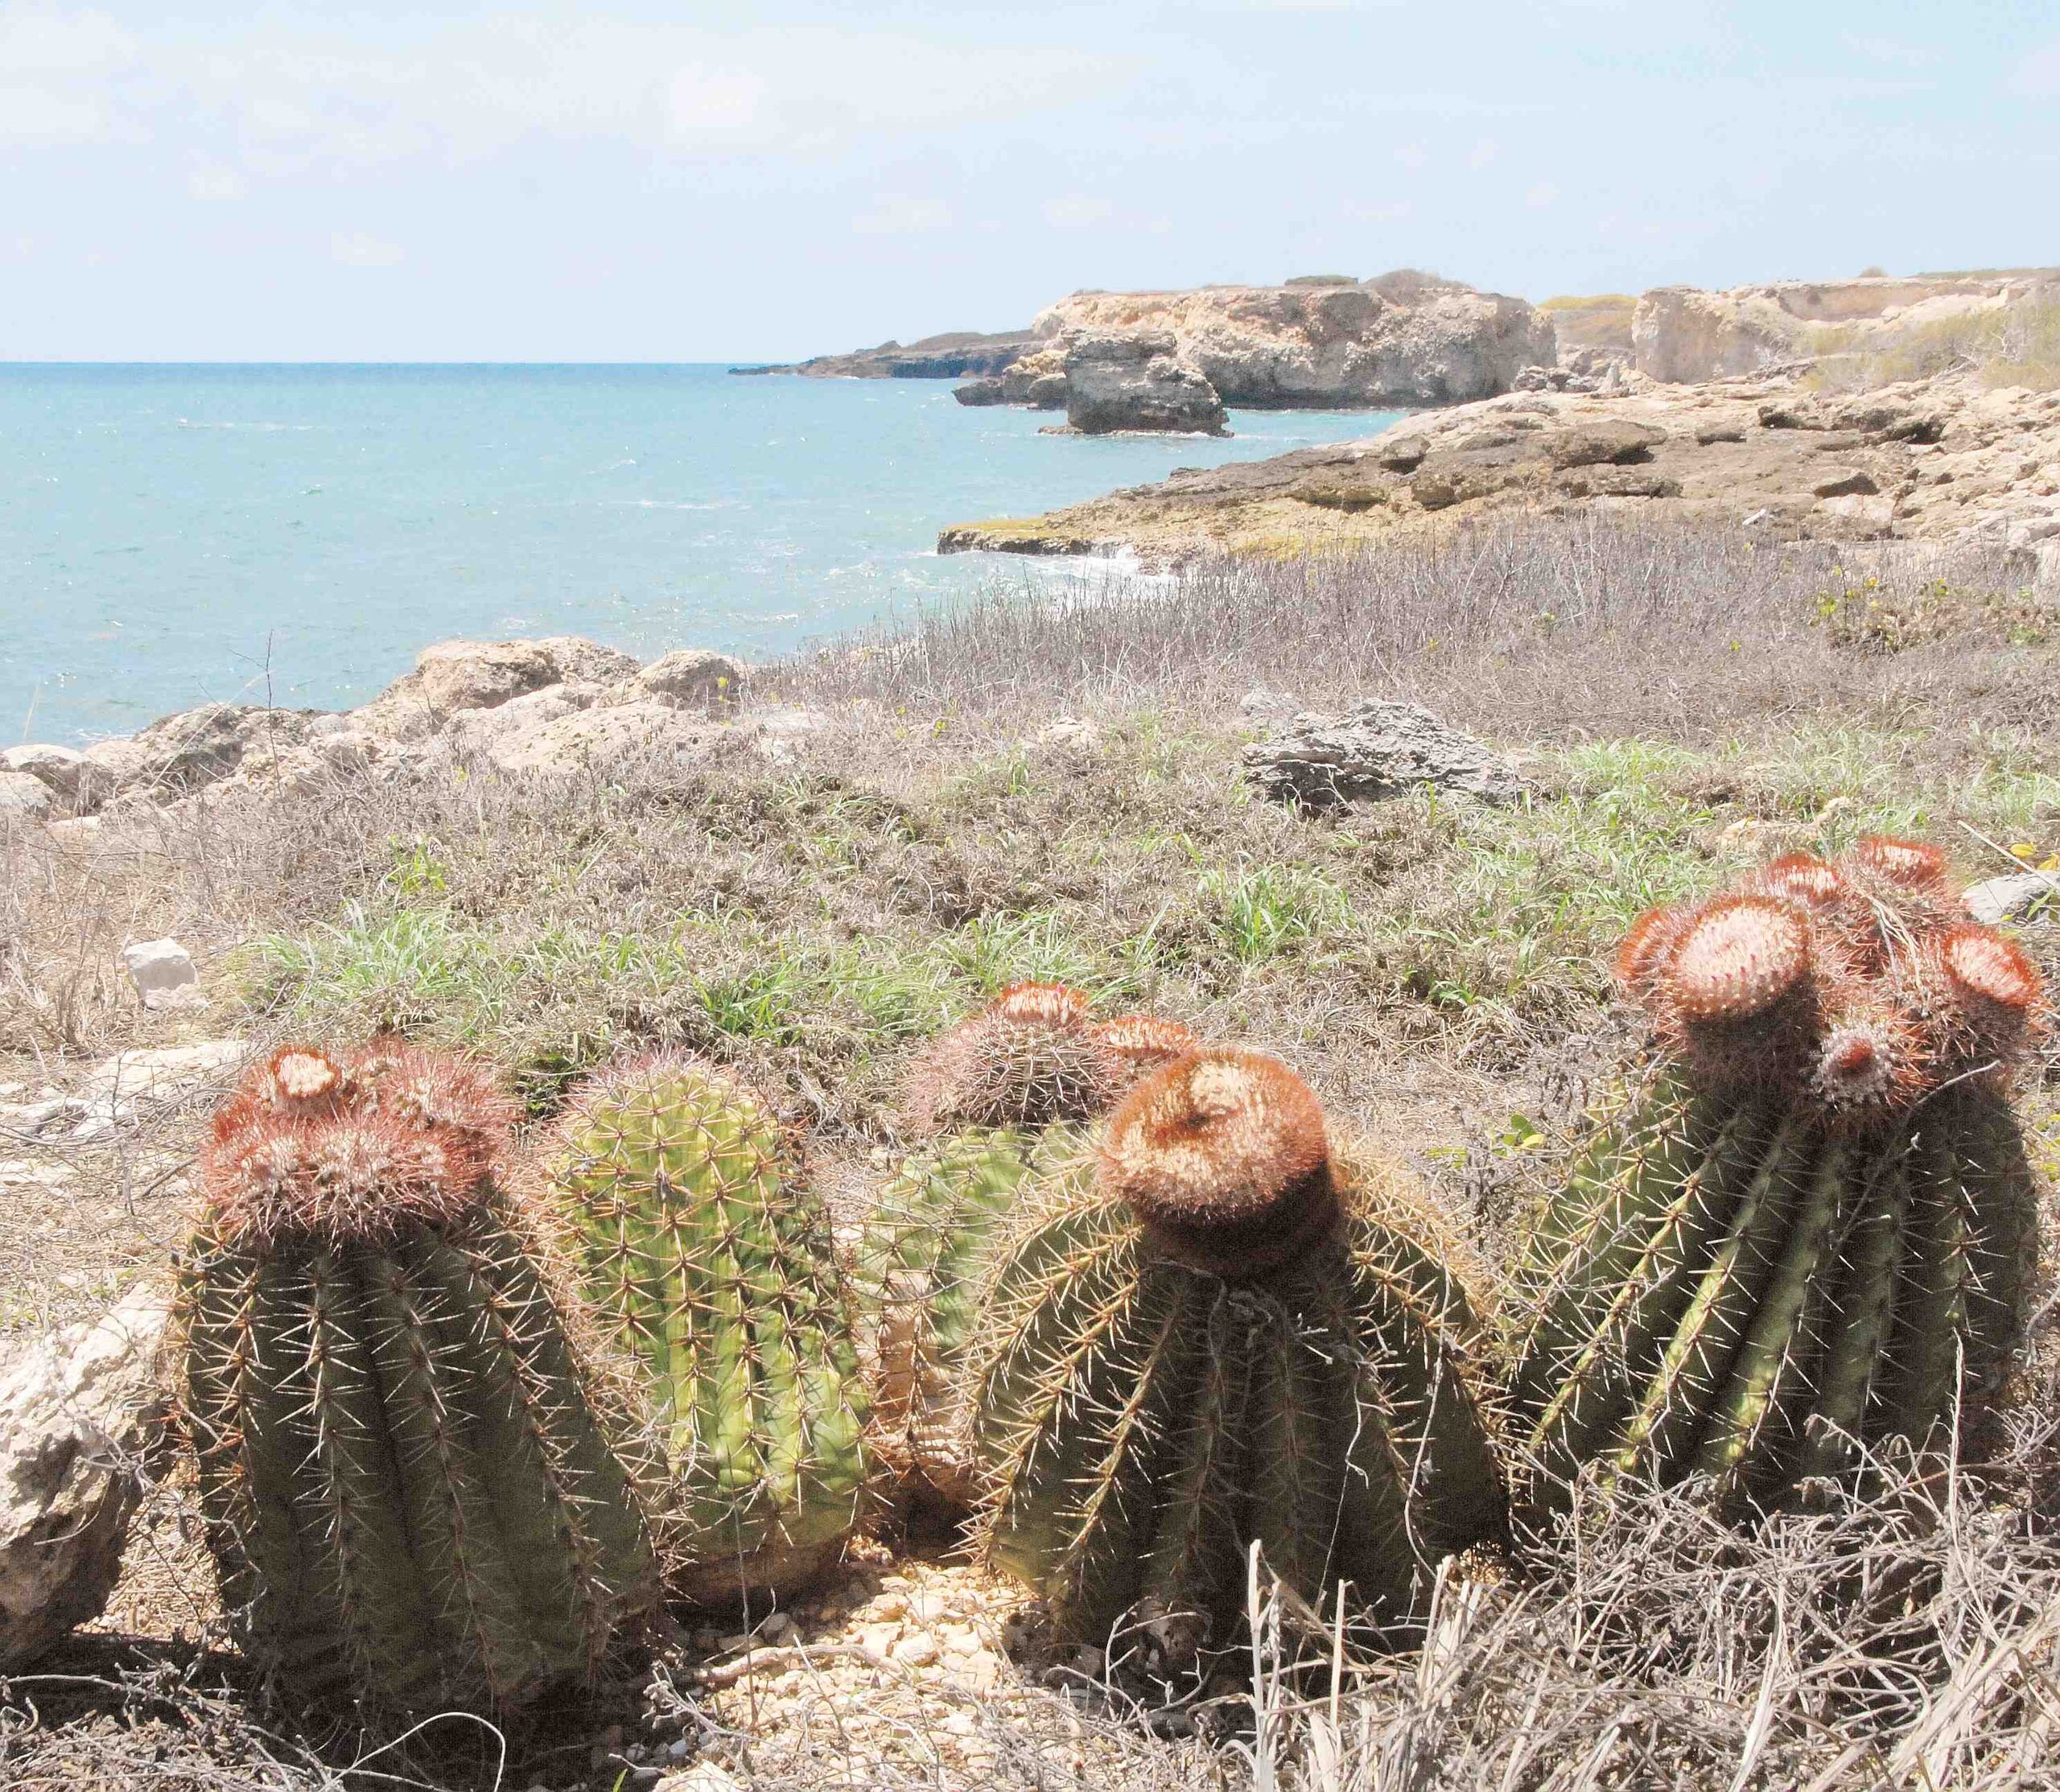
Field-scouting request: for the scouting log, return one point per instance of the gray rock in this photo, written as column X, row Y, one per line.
column 1615, row 440
column 163, row 974
column 454, row 676
column 58, row 769
column 77, row 1413
column 2013, row 897
column 478, row 733
column 132, row 1086
column 1376, row 749
column 20, row 794
column 1132, row 382
column 693, row 678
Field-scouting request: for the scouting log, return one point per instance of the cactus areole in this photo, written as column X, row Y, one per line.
column 409, row 1502
column 1807, row 1227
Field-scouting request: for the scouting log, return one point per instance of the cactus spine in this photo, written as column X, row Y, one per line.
column 1806, row 1226
column 1215, row 1332
column 408, row 1500
column 706, row 1263
column 1002, row 1100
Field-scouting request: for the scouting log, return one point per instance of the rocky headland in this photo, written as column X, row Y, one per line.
column 954, row 354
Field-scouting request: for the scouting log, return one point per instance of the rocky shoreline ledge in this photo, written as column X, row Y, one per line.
column 514, row 706
column 1936, row 460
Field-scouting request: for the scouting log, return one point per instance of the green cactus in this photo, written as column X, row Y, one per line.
column 1000, row 1099
column 410, row 1503
column 1805, row 1227
column 707, row 1263
column 1211, row 1333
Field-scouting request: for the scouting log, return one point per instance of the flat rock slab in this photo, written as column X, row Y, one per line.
column 2014, row 897
column 1377, row 749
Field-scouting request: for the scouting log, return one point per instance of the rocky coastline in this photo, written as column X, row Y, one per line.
column 1935, row 460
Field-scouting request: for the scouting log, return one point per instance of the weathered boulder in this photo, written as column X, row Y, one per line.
column 23, row 795
column 646, row 729
column 692, row 678
column 163, row 972
column 58, row 769
column 79, row 1412
column 121, row 1091
column 1134, row 381
column 453, row 677
column 1377, row 749
column 1594, row 441
column 1036, row 378
column 187, row 751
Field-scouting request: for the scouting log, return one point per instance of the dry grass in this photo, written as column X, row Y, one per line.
column 2015, row 344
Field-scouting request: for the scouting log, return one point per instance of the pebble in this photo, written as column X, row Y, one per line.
column 880, row 1639
column 916, row 1651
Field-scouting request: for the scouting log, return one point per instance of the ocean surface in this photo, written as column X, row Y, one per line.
column 296, row 534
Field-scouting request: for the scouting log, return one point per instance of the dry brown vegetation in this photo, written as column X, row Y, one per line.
column 1032, row 788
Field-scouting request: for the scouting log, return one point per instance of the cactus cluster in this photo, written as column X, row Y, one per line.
column 1002, row 1102
column 1214, row 1331
column 705, row 1263
column 1805, row 1227
column 410, row 1503
column 1128, row 1295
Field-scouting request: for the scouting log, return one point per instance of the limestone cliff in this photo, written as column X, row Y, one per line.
column 1682, row 333
column 1401, row 340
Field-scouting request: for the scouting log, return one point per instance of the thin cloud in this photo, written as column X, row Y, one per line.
column 359, row 248
column 2037, row 76
column 1076, row 211
column 902, row 215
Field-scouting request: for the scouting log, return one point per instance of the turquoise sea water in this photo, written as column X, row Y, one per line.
column 171, row 534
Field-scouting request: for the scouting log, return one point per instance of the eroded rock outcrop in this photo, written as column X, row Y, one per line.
column 1317, row 344
column 1135, row 380
column 557, row 704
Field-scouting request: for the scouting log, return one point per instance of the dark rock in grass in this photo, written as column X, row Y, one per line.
column 1376, row 750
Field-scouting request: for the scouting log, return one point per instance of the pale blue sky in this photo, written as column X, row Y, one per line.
column 621, row 181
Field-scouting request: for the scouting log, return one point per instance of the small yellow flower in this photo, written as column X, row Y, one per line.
column 2051, row 862
column 2023, row 849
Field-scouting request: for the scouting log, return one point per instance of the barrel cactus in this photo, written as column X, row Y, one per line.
column 706, row 1266
column 1216, row 1331
column 999, row 1101
column 1806, row 1226
column 409, row 1501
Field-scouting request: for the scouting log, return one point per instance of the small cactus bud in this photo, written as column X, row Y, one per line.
column 1908, row 864
column 1738, row 958
column 1222, row 1155
column 1867, row 1063
column 1144, row 1042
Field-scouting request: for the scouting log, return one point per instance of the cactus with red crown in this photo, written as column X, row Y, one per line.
column 1805, row 1229
column 409, row 1499
column 1216, row 1332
